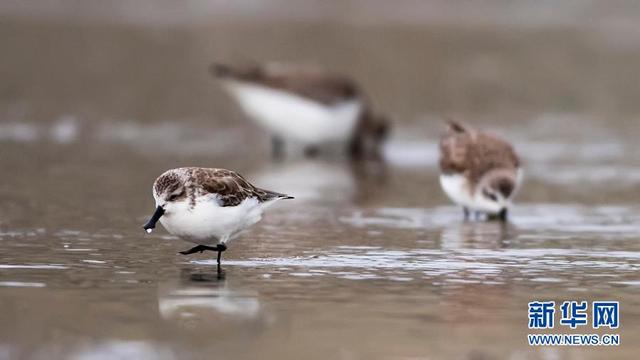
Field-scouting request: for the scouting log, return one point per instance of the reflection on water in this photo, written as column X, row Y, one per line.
column 204, row 296
column 476, row 235
column 308, row 180
column 123, row 350
column 328, row 182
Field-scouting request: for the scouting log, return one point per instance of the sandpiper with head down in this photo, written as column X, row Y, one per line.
column 479, row 172
column 306, row 105
column 207, row 207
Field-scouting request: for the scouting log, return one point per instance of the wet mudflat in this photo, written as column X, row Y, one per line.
column 375, row 266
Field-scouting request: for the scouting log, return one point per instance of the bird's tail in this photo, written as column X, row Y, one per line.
column 456, row 126
column 220, row 70
column 272, row 195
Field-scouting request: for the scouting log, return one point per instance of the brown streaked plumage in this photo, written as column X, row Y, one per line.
column 230, row 186
column 319, row 86
column 306, row 81
column 473, row 153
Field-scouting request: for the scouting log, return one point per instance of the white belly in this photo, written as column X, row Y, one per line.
column 458, row 189
column 208, row 223
column 294, row 117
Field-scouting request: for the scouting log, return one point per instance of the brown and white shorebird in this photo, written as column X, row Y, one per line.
column 479, row 172
column 207, row 207
column 306, row 105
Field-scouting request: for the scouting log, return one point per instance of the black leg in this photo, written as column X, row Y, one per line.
column 311, row 151
column 355, row 148
column 220, row 248
column 199, row 248
column 277, row 147
column 466, row 212
column 503, row 215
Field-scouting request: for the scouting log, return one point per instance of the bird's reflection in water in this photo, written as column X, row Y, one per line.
column 324, row 181
column 477, row 235
column 480, row 279
column 198, row 297
column 372, row 179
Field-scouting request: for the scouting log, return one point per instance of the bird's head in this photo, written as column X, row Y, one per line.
column 496, row 189
column 168, row 191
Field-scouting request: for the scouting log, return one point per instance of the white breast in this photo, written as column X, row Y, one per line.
column 458, row 189
column 294, row 117
column 208, row 223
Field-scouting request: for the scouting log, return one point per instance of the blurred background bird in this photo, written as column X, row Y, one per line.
column 479, row 172
column 306, row 106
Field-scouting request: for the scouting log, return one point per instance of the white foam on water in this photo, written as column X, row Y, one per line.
column 22, row 284
column 19, row 132
column 39, row 267
column 64, row 130
column 94, row 261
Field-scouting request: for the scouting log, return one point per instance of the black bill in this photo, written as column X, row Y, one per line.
column 151, row 224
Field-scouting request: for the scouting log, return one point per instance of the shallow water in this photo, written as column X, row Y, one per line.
column 368, row 261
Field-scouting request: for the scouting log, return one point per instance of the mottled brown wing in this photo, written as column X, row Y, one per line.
column 454, row 149
column 231, row 187
column 315, row 85
column 464, row 150
column 488, row 152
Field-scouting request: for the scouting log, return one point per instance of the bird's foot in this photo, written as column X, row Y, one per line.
column 220, row 248
column 467, row 213
column 199, row 248
column 502, row 216
column 312, row 151
column 277, row 148
column 220, row 275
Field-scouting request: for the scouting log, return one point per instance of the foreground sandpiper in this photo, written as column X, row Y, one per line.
column 208, row 207
column 307, row 106
column 480, row 172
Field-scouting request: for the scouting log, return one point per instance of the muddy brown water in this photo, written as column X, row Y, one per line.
column 366, row 263
column 379, row 266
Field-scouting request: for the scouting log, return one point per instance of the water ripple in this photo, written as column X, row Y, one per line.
column 473, row 265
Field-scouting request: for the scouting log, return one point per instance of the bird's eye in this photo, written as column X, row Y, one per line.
column 174, row 197
column 491, row 196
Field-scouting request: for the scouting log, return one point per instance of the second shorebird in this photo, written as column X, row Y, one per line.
column 306, row 105
column 480, row 172
column 207, row 207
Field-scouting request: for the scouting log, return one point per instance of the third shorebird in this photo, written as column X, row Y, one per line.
column 480, row 172
column 307, row 106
